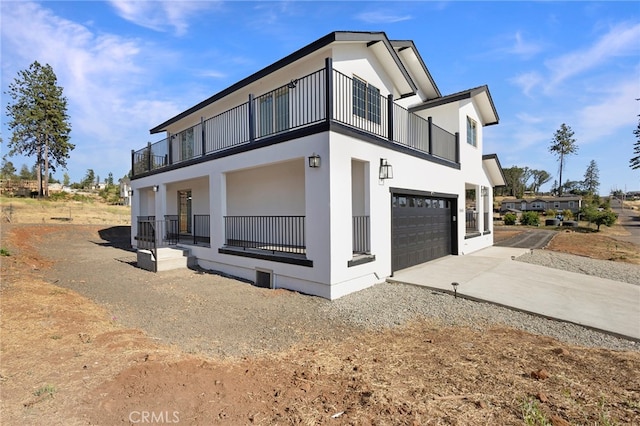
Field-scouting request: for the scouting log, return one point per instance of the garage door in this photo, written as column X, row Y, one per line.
column 421, row 229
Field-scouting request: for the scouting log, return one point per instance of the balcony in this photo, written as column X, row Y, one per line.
column 313, row 103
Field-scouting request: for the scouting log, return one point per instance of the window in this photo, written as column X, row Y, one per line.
column 274, row 112
column 571, row 204
column 366, row 101
column 186, row 140
column 556, row 204
column 472, row 132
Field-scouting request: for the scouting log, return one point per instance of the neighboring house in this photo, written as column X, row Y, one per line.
column 322, row 173
column 542, row 204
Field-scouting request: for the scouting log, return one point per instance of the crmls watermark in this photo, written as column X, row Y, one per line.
column 162, row 417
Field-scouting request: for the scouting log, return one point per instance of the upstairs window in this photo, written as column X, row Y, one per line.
column 472, row 132
column 366, row 101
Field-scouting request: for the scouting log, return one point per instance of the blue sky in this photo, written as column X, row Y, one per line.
column 127, row 66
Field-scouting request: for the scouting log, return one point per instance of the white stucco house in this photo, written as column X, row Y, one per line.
column 324, row 172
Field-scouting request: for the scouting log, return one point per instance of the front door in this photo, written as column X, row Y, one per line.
column 184, row 211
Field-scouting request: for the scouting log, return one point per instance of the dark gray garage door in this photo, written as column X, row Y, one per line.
column 421, row 229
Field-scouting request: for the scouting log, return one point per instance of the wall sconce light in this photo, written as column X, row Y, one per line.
column 314, row 161
column 386, row 169
column 483, row 191
column 130, row 192
column 155, row 188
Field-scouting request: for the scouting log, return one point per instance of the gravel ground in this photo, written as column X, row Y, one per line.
column 200, row 311
column 617, row 271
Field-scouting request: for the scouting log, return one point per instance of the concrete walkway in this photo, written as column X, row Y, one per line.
column 491, row 275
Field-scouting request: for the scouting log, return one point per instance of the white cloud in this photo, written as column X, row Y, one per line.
column 159, row 16
column 524, row 48
column 382, row 17
column 527, row 81
column 615, row 110
column 621, row 40
column 105, row 78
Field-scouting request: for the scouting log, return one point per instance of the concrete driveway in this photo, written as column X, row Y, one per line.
column 491, row 275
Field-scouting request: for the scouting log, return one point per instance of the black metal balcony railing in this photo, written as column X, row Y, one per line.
column 324, row 95
column 361, row 235
column 284, row 234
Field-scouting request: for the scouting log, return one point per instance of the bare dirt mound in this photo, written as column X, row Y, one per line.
column 66, row 360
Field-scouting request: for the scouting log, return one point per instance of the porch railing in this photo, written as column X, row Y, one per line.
column 284, row 234
column 361, row 235
column 471, row 222
column 201, row 229
column 153, row 234
column 324, row 95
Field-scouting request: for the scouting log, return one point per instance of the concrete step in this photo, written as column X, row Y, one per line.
column 168, row 258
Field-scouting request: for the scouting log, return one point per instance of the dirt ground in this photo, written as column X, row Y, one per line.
column 67, row 360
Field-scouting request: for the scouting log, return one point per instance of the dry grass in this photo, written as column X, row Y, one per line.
column 86, row 210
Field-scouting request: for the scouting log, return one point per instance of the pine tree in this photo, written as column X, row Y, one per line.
column 38, row 121
column 591, row 178
column 563, row 144
column 634, row 163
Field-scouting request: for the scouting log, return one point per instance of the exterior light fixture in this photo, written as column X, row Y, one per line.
column 130, row 192
column 386, row 169
column 455, row 289
column 292, row 84
column 483, row 191
column 314, row 161
column 155, row 188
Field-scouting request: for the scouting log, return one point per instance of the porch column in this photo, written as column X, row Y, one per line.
column 161, row 201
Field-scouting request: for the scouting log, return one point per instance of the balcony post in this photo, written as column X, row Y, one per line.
column 430, row 135
column 204, row 144
column 458, row 147
column 390, row 115
column 169, row 150
column 133, row 163
column 328, row 95
column 252, row 124
column 149, row 159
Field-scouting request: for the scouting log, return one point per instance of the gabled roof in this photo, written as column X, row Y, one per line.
column 480, row 95
column 543, row 199
column 377, row 41
column 412, row 60
column 494, row 169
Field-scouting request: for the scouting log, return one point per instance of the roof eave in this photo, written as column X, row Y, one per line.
column 336, row 36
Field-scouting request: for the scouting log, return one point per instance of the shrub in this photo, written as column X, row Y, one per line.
column 567, row 214
column 551, row 213
column 530, row 218
column 510, row 219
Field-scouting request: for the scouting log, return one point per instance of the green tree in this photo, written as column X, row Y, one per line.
column 8, row 170
column 66, row 180
column 25, row 173
column 540, row 177
column 89, row 179
column 634, row 163
column 39, row 123
column 591, row 181
column 110, row 179
column 514, row 179
column 563, row 144
column 605, row 217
